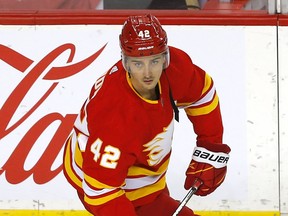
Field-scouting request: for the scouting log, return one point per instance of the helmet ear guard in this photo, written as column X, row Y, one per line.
column 143, row 36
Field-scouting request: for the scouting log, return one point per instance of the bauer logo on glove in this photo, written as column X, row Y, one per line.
column 209, row 164
column 218, row 159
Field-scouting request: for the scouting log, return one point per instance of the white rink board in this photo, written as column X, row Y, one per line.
column 283, row 114
column 242, row 61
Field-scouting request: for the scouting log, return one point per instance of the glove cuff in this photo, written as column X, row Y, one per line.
column 216, row 159
column 215, row 147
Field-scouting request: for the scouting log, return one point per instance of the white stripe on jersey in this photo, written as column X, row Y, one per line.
column 75, row 168
column 92, row 193
column 82, row 125
column 207, row 98
column 82, row 141
column 136, row 183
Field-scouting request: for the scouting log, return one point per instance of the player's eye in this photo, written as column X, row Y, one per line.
column 138, row 64
column 154, row 62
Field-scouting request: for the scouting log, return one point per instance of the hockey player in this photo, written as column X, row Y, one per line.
column 118, row 153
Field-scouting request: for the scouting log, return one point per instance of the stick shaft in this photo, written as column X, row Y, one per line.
column 190, row 193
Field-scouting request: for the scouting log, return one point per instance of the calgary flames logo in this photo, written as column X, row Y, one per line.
column 160, row 146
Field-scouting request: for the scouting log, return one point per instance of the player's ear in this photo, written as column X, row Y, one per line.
column 124, row 61
column 166, row 56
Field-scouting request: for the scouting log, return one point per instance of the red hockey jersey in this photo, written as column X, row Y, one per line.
column 121, row 143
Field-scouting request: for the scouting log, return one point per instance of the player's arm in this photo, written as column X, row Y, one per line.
column 211, row 155
column 105, row 167
column 103, row 163
column 107, row 200
column 94, row 171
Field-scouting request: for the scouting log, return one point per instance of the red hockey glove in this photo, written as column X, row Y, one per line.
column 209, row 165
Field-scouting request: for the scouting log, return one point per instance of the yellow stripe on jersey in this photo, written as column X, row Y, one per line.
column 78, row 156
column 97, row 184
column 207, row 84
column 207, row 87
column 144, row 191
column 183, row 105
column 138, row 171
column 67, row 165
column 102, row 200
column 203, row 110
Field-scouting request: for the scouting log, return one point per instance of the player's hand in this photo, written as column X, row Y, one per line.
column 209, row 165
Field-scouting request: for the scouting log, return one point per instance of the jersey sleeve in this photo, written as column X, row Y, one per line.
column 195, row 92
column 100, row 160
column 205, row 112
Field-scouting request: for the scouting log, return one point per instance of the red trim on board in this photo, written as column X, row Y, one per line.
column 283, row 20
column 171, row 17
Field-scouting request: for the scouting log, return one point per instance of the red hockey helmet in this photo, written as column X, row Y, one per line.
column 143, row 36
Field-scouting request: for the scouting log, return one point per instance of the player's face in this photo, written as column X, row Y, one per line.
column 145, row 71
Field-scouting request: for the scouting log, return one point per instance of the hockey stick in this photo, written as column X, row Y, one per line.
column 190, row 193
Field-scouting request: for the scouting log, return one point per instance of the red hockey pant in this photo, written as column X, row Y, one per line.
column 163, row 205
